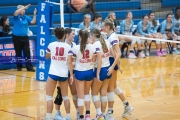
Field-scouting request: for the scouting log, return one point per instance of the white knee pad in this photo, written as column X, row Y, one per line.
column 48, row 98
column 138, row 41
column 117, row 91
column 134, row 40
column 74, row 97
column 95, row 98
column 110, row 96
column 142, row 41
column 80, row 102
column 87, row 97
column 121, row 42
column 103, row 98
column 65, row 98
column 163, row 42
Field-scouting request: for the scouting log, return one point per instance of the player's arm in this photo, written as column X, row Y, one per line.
column 48, row 55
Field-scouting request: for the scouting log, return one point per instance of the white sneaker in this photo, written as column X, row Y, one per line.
column 141, row 54
column 147, row 52
column 68, row 119
column 49, row 118
column 177, row 52
column 109, row 116
column 127, row 110
column 58, row 116
column 132, row 56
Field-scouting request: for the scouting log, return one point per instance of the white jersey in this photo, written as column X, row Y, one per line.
column 113, row 39
column 105, row 56
column 83, row 62
column 59, row 54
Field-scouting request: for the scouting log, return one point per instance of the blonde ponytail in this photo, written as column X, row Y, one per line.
column 103, row 43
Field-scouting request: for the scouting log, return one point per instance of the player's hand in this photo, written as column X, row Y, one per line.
column 120, row 69
column 110, row 70
column 27, row 6
column 71, row 80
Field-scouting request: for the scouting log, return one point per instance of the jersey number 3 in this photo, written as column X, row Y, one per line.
column 86, row 54
column 59, row 51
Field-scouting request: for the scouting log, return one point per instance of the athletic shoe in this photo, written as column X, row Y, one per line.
column 132, row 56
column 109, row 115
column 49, row 118
column 81, row 119
column 141, row 54
column 147, row 52
column 176, row 52
column 58, row 116
column 66, row 119
column 127, row 110
column 87, row 117
column 99, row 117
column 159, row 53
column 77, row 115
column 163, row 52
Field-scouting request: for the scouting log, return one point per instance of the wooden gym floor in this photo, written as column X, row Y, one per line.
column 151, row 85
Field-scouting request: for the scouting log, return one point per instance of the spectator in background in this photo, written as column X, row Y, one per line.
column 96, row 21
column 4, row 26
column 20, row 36
column 112, row 16
column 167, row 29
column 176, row 20
column 82, row 6
column 86, row 24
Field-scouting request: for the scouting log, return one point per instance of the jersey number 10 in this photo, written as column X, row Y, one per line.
column 59, row 51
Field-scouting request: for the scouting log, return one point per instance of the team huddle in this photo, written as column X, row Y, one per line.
column 88, row 69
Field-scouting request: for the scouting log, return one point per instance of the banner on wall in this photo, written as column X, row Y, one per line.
column 45, row 22
column 7, row 53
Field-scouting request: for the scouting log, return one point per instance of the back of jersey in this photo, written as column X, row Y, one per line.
column 105, row 55
column 84, row 61
column 59, row 54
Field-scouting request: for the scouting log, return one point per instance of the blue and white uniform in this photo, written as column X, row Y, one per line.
column 176, row 24
column 143, row 30
column 72, row 46
column 59, row 53
column 83, row 62
column 105, row 60
column 127, row 29
column 113, row 39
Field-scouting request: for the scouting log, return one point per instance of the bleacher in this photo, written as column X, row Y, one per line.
column 120, row 7
column 103, row 7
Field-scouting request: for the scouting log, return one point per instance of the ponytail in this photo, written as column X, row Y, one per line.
column 84, row 37
column 103, row 43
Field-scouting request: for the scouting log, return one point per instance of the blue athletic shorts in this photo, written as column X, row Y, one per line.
column 84, row 75
column 57, row 78
column 103, row 73
column 111, row 60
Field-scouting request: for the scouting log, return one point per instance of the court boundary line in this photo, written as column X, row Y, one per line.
column 18, row 114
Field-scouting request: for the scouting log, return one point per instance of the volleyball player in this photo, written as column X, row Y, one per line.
column 160, row 45
column 58, row 72
column 83, row 54
column 112, row 86
column 126, row 29
column 101, row 80
column 143, row 30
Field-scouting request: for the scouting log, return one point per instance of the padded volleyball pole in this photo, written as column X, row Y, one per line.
column 62, row 13
column 45, row 21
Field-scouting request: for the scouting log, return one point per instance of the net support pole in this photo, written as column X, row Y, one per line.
column 62, row 13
